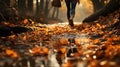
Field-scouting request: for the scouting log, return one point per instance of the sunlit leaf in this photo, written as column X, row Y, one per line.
column 25, row 21
column 11, row 53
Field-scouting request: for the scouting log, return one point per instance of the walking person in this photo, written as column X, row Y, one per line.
column 71, row 5
column 56, row 5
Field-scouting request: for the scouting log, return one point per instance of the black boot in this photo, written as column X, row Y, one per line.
column 71, row 23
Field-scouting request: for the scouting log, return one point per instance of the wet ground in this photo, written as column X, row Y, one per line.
column 59, row 45
column 52, row 51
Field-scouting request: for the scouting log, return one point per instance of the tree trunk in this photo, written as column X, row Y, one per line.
column 98, row 4
column 7, row 2
column 37, row 13
column 40, row 8
column 41, row 5
column 22, row 7
column 112, row 6
column 30, row 5
column 47, row 8
column 7, row 30
column 13, row 3
column 7, row 13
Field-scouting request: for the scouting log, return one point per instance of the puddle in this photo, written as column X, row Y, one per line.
column 63, row 51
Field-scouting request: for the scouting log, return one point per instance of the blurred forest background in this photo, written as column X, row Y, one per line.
column 26, row 42
column 42, row 10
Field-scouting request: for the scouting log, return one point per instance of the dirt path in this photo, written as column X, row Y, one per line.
column 47, row 46
column 59, row 45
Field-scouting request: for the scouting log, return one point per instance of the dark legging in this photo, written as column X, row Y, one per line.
column 71, row 4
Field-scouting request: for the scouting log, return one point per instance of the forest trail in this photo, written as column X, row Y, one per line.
column 45, row 43
column 94, row 44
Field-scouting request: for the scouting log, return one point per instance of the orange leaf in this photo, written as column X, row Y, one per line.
column 109, row 39
column 101, row 32
column 116, row 38
column 25, row 38
column 11, row 53
column 36, row 50
column 77, row 41
column 26, row 21
column 63, row 50
column 96, row 41
column 64, row 41
column 40, row 50
column 98, row 24
column 45, row 50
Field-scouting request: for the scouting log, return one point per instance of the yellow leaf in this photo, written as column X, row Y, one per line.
column 98, row 24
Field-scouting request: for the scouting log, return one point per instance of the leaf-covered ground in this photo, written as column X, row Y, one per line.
column 95, row 44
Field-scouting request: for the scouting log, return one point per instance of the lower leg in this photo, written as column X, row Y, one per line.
column 68, row 4
column 72, row 10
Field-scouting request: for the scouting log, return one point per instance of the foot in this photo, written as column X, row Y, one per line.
column 71, row 23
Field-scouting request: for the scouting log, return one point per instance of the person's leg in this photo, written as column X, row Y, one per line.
column 57, row 13
column 53, row 14
column 68, row 4
column 72, row 10
column 68, row 8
